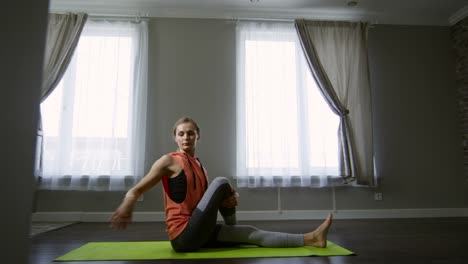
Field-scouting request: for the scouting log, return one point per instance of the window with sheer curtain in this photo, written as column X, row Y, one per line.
column 286, row 133
column 94, row 120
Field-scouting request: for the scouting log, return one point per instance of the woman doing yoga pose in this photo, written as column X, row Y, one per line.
column 192, row 205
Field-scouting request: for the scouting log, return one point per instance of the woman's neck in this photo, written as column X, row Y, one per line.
column 190, row 153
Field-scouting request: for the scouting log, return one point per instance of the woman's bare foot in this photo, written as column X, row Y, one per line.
column 318, row 237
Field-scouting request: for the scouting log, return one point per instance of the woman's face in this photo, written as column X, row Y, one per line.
column 186, row 137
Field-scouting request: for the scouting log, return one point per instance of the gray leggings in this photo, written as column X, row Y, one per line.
column 202, row 230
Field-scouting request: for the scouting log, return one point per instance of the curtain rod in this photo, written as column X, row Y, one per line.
column 146, row 17
column 137, row 17
column 265, row 19
column 286, row 20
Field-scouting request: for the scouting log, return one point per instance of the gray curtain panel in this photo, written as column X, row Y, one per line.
column 337, row 56
column 63, row 33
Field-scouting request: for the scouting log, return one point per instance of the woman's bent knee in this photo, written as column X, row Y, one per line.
column 220, row 181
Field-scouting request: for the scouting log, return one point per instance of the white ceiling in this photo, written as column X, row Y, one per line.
column 408, row 12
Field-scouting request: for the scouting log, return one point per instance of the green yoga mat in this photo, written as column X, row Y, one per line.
column 147, row 250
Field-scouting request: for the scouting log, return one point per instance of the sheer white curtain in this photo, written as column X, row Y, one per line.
column 286, row 133
column 95, row 120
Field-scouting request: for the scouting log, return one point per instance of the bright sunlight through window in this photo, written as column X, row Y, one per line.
column 285, row 127
column 86, row 118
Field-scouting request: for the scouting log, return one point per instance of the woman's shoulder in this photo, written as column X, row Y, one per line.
column 167, row 158
column 170, row 159
column 164, row 161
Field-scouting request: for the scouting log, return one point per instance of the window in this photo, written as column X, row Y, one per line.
column 94, row 120
column 286, row 133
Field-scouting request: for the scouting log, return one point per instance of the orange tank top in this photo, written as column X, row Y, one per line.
column 178, row 214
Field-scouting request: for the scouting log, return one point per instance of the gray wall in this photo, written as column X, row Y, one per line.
column 416, row 124
column 417, row 129
column 21, row 52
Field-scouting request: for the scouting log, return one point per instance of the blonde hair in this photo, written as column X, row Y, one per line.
column 186, row 120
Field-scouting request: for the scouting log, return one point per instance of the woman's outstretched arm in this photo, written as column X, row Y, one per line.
column 122, row 216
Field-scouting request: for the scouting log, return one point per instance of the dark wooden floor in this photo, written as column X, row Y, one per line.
column 422, row 240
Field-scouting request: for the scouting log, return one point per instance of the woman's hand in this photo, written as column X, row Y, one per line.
column 231, row 201
column 122, row 216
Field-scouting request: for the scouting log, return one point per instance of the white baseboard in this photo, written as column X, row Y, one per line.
column 263, row 215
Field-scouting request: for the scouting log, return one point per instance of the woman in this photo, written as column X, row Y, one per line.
column 191, row 204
